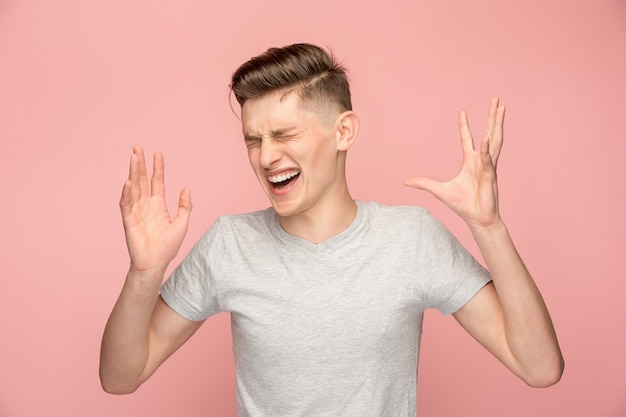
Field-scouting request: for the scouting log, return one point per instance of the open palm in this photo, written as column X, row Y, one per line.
column 153, row 238
column 473, row 194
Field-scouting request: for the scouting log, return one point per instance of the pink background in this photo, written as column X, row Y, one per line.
column 82, row 81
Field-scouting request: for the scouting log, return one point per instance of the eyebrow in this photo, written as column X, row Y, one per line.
column 274, row 133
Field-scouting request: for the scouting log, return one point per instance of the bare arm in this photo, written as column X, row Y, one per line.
column 509, row 316
column 142, row 331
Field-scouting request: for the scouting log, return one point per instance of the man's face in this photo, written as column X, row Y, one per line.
column 292, row 149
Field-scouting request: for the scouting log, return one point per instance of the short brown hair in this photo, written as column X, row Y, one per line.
column 310, row 70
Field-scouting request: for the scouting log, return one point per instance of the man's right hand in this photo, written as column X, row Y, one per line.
column 142, row 330
column 153, row 238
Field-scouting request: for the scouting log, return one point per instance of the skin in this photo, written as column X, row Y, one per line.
column 143, row 331
column 284, row 135
column 508, row 316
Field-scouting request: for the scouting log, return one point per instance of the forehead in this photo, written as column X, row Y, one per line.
column 277, row 110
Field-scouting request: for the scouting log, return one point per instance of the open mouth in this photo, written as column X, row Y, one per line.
column 281, row 181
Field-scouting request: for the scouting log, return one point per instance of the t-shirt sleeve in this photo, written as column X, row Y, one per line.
column 451, row 275
column 191, row 290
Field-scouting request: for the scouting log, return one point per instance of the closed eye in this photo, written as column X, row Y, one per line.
column 284, row 137
column 252, row 141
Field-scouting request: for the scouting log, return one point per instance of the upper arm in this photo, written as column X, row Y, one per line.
column 168, row 331
column 483, row 318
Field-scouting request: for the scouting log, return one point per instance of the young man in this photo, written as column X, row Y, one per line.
column 326, row 293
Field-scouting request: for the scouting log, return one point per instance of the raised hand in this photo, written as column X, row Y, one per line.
column 473, row 194
column 153, row 238
column 142, row 331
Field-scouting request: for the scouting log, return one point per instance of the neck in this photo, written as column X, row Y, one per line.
column 325, row 220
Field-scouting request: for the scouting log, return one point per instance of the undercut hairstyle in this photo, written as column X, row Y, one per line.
column 314, row 73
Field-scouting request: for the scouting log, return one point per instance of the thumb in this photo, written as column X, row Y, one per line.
column 423, row 183
column 184, row 206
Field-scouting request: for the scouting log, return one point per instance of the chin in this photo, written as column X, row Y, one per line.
column 283, row 211
column 286, row 208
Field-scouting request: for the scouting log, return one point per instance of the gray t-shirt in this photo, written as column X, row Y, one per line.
column 328, row 329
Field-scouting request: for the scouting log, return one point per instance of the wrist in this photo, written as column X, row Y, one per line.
column 146, row 281
column 488, row 232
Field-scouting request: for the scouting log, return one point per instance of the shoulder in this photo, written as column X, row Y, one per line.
column 231, row 231
column 245, row 225
column 394, row 222
column 252, row 219
column 398, row 214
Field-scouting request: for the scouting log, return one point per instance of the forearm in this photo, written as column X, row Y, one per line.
column 126, row 340
column 527, row 324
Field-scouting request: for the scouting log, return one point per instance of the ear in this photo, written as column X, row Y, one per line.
column 347, row 129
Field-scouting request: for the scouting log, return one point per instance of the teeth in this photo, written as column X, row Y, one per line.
column 283, row 177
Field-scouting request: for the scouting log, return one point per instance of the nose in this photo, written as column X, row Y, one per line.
column 270, row 152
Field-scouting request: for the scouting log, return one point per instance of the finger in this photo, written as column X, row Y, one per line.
column 491, row 117
column 486, row 157
column 142, row 175
column 467, row 142
column 493, row 133
column 498, row 135
column 425, row 184
column 126, row 199
column 184, row 207
column 158, row 176
column 133, row 178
